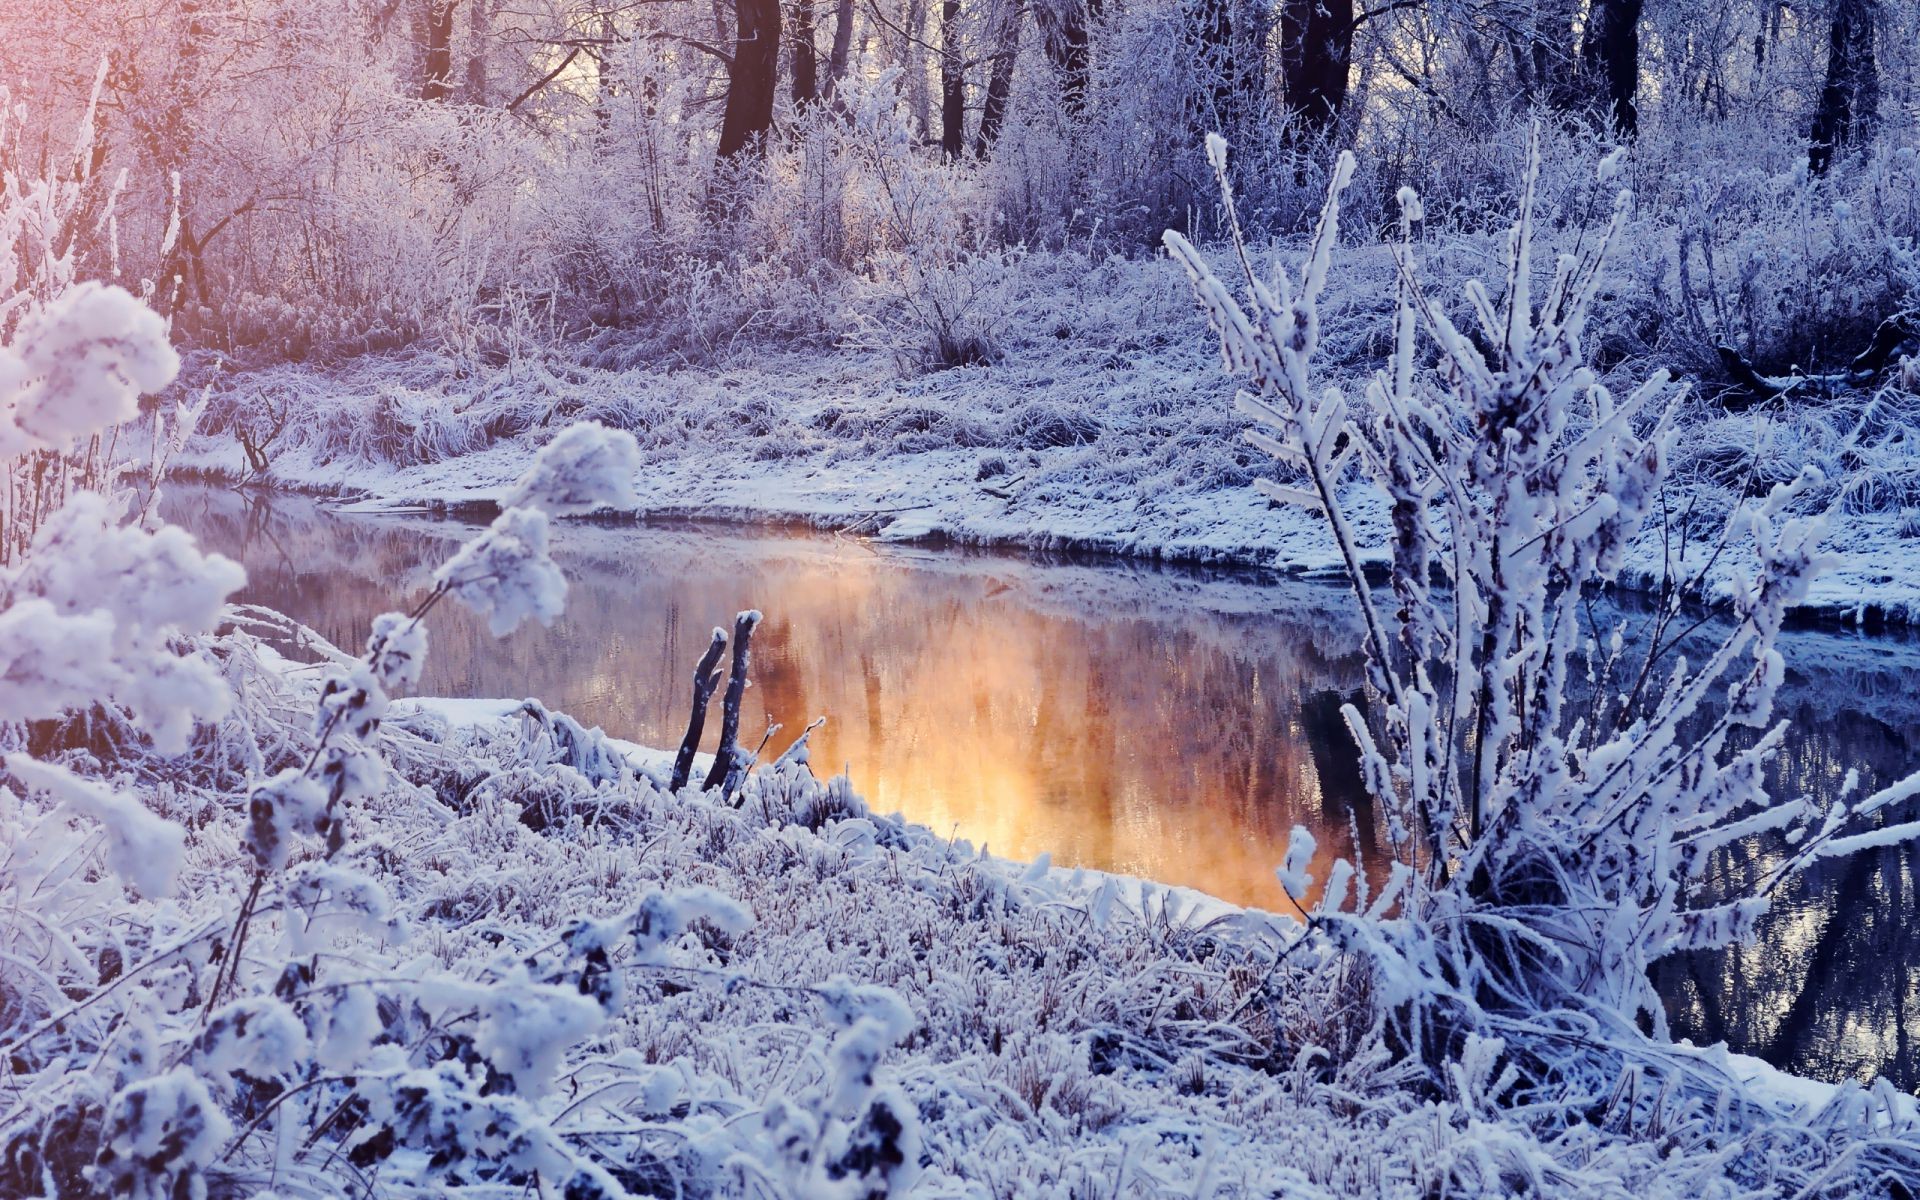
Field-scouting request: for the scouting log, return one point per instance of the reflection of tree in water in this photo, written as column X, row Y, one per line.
column 1826, row 990
column 1343, row 788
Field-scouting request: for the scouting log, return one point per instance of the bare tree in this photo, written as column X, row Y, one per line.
column 753, row 73
column 1850, row 98
column 1316, row 59
column 437, row 80
column 842, row 48
column 1005, row 41
column 953, row 82
column 805, row 83
column 1066, row 27
column 1610, row 57
column 1229, row 51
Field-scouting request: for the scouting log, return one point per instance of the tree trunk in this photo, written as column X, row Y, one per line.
column 953, row 83
column 1220, row 48
column 806, row 59
column 1316, row 59
column 437, row 79
column 1610, row 57
column 842, row 47
column 1067, row 29
column 752, row 77
column 1850, row 98
column 1006, row 49
column 480, row 29
column 1545, row 56
column 725, row 760
column 606, row 75
column 706, row 677
column 912, row 40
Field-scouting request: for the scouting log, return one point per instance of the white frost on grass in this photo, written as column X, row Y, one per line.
column 142, row 847
column 1106, row 426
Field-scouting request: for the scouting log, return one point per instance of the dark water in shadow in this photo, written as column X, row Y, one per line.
column 1160, row 722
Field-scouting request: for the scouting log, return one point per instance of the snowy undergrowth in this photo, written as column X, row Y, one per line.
column 1100, row 425
column 1057, row 1035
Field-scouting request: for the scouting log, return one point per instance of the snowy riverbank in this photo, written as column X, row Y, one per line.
column 1049, row 454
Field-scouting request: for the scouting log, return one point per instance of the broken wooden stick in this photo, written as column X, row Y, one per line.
column 705, row 679
column 724, row 756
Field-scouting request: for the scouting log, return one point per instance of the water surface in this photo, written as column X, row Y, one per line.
column 1162, row 722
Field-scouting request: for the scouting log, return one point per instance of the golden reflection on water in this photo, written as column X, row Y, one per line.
column 1168, row 728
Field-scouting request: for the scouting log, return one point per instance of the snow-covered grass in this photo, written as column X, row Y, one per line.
column 266, row 932
column 1102, row 424
column 1061, row 1034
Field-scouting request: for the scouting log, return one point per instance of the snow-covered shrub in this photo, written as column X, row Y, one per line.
column 1545, row 855
column 1794, row 272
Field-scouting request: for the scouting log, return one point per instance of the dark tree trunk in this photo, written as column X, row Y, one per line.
column 606, row 75
column 1006, row 49
column 1316, row 60
column 480, row 29
column 1850, row 98
column 806, row 59
column 706, row 677
column 437, row 82
column 953, row 83
column 752, row 77
column 842, row 47
column 1610, row 57
column 1546, row 57
column 1067, row 29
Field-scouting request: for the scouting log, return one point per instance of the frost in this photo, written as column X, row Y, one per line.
column 397, row 651
column 587, row 466
column 259, row 1036
column 1293, row 872
column 505, row 574
column 85, row 360
column 142, row 848
column 161, row 1133
column 93, row 611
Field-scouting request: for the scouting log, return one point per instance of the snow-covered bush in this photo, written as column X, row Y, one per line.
column 1546, row 854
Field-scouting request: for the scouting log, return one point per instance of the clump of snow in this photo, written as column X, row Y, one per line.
column 1293, row 871
column 84, row 361
column 142, row 848
column 585, row 467
column 505, row 574
column 397, row 651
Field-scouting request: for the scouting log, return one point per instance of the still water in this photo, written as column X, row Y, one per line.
column 1168, row 723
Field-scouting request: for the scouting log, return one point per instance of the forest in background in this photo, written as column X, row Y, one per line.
column 686, row 181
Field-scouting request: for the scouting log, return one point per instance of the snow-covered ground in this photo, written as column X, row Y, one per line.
column 1106, row 425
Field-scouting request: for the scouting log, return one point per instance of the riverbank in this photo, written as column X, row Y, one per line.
column 1154, row 469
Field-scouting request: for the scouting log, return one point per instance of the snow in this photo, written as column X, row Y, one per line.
column 142, row 848
column 479, row 949
column 84, row 361
column 1117, row 438
column 505, row 574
